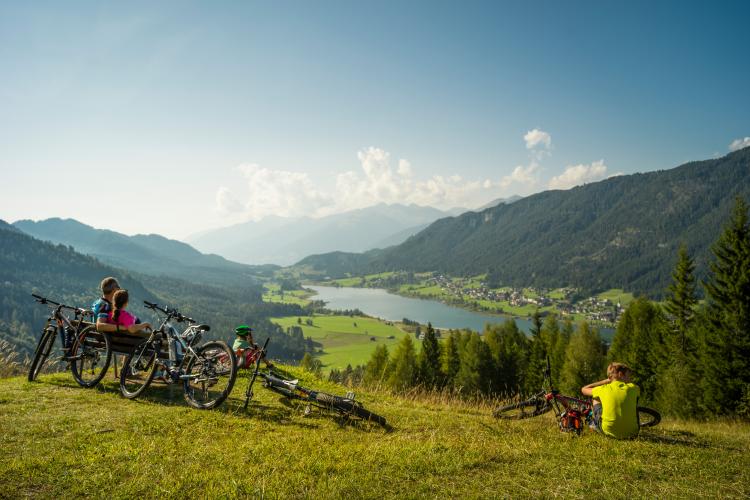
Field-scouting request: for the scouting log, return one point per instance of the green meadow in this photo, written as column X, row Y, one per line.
column 345, row 339
column 61, row 441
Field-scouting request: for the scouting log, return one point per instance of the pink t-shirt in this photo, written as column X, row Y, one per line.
column 124, row 318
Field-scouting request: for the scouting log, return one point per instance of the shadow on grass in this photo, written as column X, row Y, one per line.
column 673, row 437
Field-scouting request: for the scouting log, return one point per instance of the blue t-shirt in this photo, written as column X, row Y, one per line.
column 102, row 310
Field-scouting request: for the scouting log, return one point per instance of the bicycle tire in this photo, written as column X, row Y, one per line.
column 211, row 362
column 88, row 350
column 653, row 417
column 42, row 352
column 136, row 378
column 347, row 406
column 524, row 409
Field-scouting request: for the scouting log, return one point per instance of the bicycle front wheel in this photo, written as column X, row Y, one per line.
column 43, row 349
column 90, row 357
column 348, row 407
column 209, row 376
column 648, row 417
column 524, row 409
column 138, row 370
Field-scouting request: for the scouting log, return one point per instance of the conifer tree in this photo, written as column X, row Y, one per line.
column 476, row 364
column 451, row 361
column 537, row 356
column 638, row 342
column 376, row 368
column 511, row 358
column 678, row 370
column 726, row 353
column 680, row 303
column 428, row 363
column 584, row 359
column 402, row 368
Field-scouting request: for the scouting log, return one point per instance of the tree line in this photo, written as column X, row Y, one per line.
column 691, row 358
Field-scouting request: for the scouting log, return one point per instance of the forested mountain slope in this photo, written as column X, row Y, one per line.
column 152, row 254
column 622, row 232
column 28, row 265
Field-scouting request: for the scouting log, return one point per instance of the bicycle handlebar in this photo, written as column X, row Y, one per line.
column 78, row 310
column 174, row 313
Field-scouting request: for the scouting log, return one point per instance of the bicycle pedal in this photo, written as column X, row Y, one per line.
column 349, row 395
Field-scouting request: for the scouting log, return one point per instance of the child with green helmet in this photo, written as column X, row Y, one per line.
column 245, row 348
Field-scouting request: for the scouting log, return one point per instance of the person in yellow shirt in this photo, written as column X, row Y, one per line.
column 615, row 402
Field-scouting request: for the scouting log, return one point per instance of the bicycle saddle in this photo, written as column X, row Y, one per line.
column 203, row 328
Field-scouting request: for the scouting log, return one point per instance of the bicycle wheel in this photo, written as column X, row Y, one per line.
column 138, row 370
column 648, row 417
column 525, row 409
column 349, row 407
column 209, row 376
column 42, row 352
column 90, row 357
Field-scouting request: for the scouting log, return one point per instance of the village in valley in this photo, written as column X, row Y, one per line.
column 474, row 293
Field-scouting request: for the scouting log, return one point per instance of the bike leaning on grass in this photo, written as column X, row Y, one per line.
column 572, row 413
column 207, row 372
column 88, row 360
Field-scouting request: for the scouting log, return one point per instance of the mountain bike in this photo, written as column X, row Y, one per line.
column 88, row 363
column 207, row 372
column 571, row 412
column 345, row 406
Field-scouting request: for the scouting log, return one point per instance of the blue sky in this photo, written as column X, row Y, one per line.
column 196, row 115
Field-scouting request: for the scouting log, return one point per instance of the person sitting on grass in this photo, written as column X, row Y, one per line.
column 122, row 319
column 245, row 348
column 615, row 402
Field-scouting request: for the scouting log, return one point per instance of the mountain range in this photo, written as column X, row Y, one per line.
column 284, row 241
column 147, row 254
column 623, row 232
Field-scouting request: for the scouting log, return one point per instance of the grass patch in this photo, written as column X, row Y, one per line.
column 343, row 342
column 61, row 441
column 616, row 295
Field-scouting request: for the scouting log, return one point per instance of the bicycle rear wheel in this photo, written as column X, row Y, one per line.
column 532, row 407
column 648, row 417
column 42, row 352
column 90, row 357
column 209, row 377
column 138, row 370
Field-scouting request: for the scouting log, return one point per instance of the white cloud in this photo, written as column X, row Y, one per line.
column 536, row 138
column 738, row 144
column 579, row 174
column 226, row 203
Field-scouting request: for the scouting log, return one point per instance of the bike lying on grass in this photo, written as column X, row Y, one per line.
column 571, row 413
column 82, row 347
column 346, row 406
column 207, row 372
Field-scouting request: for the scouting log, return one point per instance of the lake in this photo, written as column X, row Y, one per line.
column 379, row 303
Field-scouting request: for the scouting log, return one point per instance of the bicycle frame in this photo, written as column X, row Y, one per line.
column 62, row 321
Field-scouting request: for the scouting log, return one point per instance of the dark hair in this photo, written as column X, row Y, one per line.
column 119, row 299
column 108, row 285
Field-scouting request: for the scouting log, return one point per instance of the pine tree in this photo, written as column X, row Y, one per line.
column 451, row 361
column 376, row 368
column 638, row 342
column 726, row 353
column 584, row 359
column 402, row 368
column 509, row 349
column 537, row 356
column 680, row 303
column 678, row 370
column 476, row 364
column 428, row 363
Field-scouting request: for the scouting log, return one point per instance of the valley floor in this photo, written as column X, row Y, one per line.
column 59, row 440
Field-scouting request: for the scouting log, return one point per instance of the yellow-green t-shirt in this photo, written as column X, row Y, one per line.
column 619, row 414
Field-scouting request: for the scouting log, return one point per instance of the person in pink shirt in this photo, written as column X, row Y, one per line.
column 124, row 321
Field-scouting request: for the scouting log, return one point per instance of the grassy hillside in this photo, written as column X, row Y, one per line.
column 62, row 441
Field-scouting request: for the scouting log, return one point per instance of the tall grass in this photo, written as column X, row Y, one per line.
column 11, row 363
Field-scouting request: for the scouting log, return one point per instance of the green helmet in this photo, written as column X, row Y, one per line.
column 243, row 330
